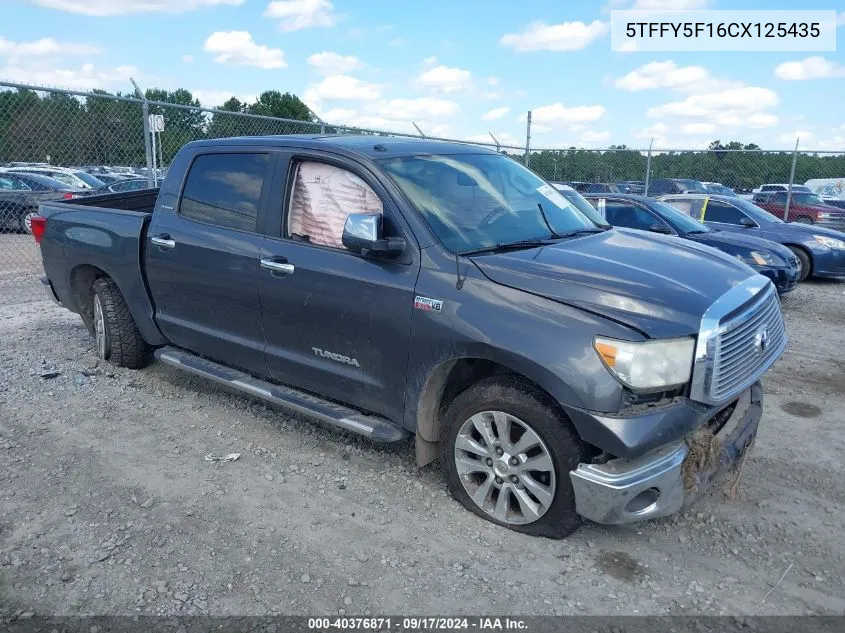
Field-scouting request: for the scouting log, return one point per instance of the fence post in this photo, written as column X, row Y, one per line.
column 648, row 167
column 791, row 180
column 528, row 141
column 148, row 150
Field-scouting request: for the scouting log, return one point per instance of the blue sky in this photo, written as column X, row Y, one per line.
column 456, row 68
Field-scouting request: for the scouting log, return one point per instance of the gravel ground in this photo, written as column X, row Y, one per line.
column 110, row 508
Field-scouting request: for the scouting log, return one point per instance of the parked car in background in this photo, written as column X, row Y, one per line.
column 124, row 184
column 780, row 186
column 718, row 188
column 662, row 186
column 839, row 203
column 20, row 195
column 605, row 187
column 820, row 251
column 108, row 179
column 632, row 186
column 558, row 369
column 75, row 178
column 806, row 208
column 647, row 214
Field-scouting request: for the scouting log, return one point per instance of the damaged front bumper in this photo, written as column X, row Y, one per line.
column 662, row 481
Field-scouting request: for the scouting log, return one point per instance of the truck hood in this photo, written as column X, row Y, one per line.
column 658, row 285
column 736, row 244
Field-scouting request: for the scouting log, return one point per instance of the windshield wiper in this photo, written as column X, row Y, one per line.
column 507, row 246
column 585, row 231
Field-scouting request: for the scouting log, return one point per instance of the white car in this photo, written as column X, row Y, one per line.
column 75, row 178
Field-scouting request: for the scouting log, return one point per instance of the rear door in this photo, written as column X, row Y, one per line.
column 336, row 323
column 726, row 217
column 202, row 255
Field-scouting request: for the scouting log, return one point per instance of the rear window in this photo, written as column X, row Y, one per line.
column 225, row 189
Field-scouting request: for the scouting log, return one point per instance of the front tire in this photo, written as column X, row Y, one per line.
column 116, row 335
column 506, row 451
column 803, row 261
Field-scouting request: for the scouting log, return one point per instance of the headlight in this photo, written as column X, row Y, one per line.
column 830, row 242
column 760, row 258
column 823, row 216
column 648, row 364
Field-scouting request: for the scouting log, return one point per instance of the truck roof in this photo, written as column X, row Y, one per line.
column 374, row 147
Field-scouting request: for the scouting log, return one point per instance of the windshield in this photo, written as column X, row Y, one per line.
column 761, row 216
column 680, row 219
column 691, row 185
column 800, row 198
column 580, row 203
column 473, row 201
column 88, row 179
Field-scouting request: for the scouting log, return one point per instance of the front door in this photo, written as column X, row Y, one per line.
column 336, row 323
column 202, row 259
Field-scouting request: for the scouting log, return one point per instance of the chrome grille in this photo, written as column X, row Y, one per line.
column 792, row 261
column 741, row 336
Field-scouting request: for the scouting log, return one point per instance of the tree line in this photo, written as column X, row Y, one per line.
column 99, row 130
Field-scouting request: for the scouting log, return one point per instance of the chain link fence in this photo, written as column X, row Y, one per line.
column 126, row 142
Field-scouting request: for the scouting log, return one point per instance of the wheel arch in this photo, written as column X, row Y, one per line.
column 453, row 376
column 804, row 250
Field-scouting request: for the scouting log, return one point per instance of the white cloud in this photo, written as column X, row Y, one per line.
column 815, row 67
column 188, row 59
column 745, row 105
column 408, row 109
column 44, row 47
column 695, row 129
column 214, row 98
column 495, row 113
column 557, row 114
column 566, row 36
column 301, row 14
column 341, row 88
column 239, row 49
column 594, row 136
column 493, row 81
column 123, row 7
column 804, row 136
column 86, row 77
column 445, row 79
column 430, row 61
column 379, row 121
column 662, row 75
column 840, row 18
column 328, row 63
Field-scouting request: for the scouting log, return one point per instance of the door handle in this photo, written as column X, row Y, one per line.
column 164, row 241
column 278, row 266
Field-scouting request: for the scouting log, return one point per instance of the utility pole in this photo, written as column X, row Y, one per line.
column 528, row 141
column 791, row 180
column 648, row 167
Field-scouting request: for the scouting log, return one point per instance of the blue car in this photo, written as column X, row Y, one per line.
column 647, row 214
column 820, row 251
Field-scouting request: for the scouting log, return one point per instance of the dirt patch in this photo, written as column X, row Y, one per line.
column 620, row 565
column 801, row 409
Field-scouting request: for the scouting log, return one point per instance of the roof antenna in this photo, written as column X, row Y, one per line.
column 460, row 281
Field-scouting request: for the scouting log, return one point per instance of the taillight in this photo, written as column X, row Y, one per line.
column 38, row 226
column 68, row 196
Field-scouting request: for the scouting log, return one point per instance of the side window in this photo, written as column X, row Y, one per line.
column 629, row 216
column 225, row 189
column 690, row 207
column 322, row 197
column 721, row 212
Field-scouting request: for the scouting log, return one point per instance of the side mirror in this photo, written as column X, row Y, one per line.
column 362, row 233
column 747, row 223
column 660, row 228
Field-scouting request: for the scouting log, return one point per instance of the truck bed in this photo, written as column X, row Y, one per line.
column 141, row 201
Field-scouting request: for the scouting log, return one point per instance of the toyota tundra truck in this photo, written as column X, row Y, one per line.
column 558, row 368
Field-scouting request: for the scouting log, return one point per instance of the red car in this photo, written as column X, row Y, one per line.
column 806, row 208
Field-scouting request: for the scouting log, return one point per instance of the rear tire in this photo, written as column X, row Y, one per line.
column 803, row 261
column 517, row 467
column 25, row 223
column 117, row 337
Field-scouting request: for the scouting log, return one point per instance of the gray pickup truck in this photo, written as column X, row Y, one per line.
column 559, row 368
